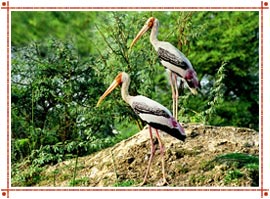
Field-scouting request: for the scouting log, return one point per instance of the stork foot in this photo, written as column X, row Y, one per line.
column 141, row 184
column 162, row 182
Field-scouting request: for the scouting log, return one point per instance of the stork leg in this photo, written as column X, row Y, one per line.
column 151, row 156
column 162, row 150
column 176, row 96
column 173, row 91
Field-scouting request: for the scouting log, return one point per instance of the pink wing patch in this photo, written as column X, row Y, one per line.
column 174, row 123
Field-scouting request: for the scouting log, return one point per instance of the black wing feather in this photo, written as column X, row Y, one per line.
column 165, row 55
column 140, row 107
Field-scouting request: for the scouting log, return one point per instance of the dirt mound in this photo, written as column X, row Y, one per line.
column 210, row 156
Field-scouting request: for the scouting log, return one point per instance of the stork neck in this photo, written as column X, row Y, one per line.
column 153, row 35
column 124, row 91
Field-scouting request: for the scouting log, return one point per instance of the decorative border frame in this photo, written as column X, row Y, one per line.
column 6, row 6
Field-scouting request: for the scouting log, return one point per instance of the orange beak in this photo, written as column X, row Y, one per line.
column 114, row 84
column 142, row 31
column 108, row 91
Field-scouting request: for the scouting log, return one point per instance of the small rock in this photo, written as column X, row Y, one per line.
column 93, row 173
column 193, row 134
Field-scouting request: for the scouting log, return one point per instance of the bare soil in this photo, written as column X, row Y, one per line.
column 190, row 163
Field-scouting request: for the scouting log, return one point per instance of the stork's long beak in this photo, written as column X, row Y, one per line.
column 142, row 31
column 113, row 85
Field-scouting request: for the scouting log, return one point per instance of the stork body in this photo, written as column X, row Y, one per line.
column 173, row 60
column 154, row 114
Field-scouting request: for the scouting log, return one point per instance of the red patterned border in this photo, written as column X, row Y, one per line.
column 133, row 189
column 262, row 4
column 135, row 8
column 5, row 5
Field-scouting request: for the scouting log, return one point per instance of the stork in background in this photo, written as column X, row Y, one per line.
column 173, row 60
column 154, row 114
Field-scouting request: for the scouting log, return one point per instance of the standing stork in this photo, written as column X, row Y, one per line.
column 154, row 114
column 173, row 60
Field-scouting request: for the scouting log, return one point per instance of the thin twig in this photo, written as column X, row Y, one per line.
column 114, row 167
column 104, row 38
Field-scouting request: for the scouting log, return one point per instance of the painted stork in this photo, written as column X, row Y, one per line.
column 173, row 60
column 154, row 114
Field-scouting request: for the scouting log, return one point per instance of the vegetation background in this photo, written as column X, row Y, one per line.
column 63, row 61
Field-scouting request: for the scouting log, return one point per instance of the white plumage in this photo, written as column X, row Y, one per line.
column 173, row 60
column 153, row 113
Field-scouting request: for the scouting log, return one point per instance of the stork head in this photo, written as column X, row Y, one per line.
column 118, row 80
column 148, row 24
column 192, row 81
